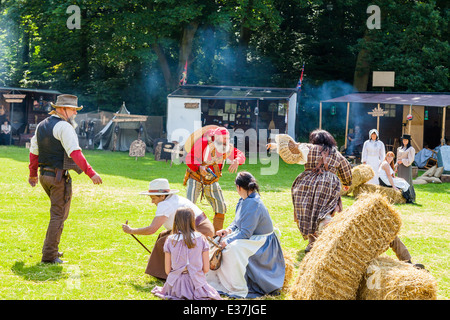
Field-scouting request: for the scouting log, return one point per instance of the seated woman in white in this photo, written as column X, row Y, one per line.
column 386, row 176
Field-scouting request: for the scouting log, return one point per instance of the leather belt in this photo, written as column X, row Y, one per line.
column 53, row 172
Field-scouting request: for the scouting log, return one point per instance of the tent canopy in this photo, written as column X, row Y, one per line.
column 122, row 130
column 415, row 99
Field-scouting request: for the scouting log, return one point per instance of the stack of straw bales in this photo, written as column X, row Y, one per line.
column 335, row 266
column 389, row 279
column 394, row 196
column 363, row 173
column 360, row 175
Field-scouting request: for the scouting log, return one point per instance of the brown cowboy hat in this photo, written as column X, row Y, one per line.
column 66, row 101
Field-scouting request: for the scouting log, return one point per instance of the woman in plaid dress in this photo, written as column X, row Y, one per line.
column 316, row 191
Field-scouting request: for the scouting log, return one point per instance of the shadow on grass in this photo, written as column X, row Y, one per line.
column 147, row 287
column 39, row 272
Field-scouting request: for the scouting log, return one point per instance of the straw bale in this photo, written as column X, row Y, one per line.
column 360, row 175
column 393, row 195
column 289, row 261
column 334, row 267
column 389, row 279
column 287, row 149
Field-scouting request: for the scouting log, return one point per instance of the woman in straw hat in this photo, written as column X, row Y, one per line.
column 167, row 202
column 54, row 150
column 405, row 159
column 316, row 191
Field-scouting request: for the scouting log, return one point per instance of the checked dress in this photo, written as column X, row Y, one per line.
column 316, row 193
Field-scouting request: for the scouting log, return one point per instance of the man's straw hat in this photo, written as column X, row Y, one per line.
column 66, row 101
column 159, row 187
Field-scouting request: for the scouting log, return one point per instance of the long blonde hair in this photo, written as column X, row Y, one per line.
column 184, row 224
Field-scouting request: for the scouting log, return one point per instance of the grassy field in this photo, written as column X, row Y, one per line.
column 102, row 262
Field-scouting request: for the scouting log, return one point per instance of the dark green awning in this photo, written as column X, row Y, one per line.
column 234, row 93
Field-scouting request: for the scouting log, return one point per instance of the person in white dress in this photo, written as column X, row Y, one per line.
column 387, row 177
column 373, row 153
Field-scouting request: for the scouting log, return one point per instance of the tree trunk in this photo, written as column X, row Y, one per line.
column 164, row 65
column 170, row 80
column 362, row 69
column 186, row 47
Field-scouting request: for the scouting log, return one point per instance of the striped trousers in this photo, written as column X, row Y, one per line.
column 212, row 192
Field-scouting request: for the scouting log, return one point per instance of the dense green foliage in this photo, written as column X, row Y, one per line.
column 135, row 51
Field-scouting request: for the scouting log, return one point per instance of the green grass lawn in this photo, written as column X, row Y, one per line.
column 102, row 262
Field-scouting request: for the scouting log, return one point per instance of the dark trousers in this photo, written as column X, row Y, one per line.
column 60, row 194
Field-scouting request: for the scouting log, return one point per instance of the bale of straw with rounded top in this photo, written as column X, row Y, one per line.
column 394, row 196
column 360, row 175
column 389, row 279
column 288, row 149
column 334, row 267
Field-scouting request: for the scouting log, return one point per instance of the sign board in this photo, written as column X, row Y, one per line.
column 137, row 148
column 378, row 112
column 383, row 78
column 14, row 96
column 188, row 105
column 14, row 100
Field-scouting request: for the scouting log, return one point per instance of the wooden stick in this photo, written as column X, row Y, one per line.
column 126, row 222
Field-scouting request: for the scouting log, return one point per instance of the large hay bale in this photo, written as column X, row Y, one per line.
column 360, row 175
column 333, row 269
column 392, row 195
column 389, row 279
column 289, row 272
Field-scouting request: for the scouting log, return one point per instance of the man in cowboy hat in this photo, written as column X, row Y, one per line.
column 54, row 150
column 167, row 202
column 205, row 161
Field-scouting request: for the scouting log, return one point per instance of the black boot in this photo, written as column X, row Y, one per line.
column 407, row 196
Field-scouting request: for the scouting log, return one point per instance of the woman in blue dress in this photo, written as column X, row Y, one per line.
column 253, row 264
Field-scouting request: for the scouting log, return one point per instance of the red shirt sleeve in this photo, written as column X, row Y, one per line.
column 81, row 161
column 237, row 154
column 195, row 157
column 34, row 165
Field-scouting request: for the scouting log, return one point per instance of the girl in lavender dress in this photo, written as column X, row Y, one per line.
column 186, row 262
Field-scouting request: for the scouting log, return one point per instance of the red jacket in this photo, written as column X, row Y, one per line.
column 196, row 156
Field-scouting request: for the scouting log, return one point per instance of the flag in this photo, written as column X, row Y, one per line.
column 183, row 79
column 299, row 84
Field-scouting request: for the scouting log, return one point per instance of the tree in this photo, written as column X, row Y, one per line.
column 412, row 43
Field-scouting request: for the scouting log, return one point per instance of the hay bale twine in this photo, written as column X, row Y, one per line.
column 392, row 195
column 389, row 279
column 360, row 175
column 333, row 269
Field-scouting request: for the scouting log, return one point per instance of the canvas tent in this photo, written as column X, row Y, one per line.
column 122, row 130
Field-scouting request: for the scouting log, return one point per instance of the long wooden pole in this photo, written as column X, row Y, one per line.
column 378, row 120
column 346, row 124
column 409, row 125
column 443, row 126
